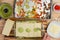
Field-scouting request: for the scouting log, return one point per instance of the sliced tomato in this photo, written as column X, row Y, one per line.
column 23, row 14
column 36, row 16
column 40, row 14
column 17, row 14
column 17, row 3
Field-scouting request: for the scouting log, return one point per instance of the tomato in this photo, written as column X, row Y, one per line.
column 57, row 7
column 36, row 16
column 17, row 3
column 17, row 15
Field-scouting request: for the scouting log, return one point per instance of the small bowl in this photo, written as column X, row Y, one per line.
column 56, row 7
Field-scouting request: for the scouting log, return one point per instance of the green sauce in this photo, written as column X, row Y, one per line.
column 28, row 30
column 20, row 29
column 36, row 29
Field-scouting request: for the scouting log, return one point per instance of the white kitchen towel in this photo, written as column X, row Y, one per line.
column 7, row 27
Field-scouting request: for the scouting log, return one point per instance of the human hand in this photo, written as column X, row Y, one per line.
column 46, row 37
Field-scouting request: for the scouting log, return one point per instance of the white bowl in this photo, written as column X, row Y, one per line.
column 53, row 29
column 57, row 11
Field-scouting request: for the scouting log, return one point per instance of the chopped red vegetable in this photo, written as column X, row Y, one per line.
column 57, row 7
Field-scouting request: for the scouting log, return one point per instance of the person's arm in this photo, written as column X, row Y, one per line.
column 46, row 37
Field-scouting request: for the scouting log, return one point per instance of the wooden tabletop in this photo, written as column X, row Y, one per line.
column 53, row 16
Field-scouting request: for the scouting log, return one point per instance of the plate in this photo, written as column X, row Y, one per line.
column 53, row 29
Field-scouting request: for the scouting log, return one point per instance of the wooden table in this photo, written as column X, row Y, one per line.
column 54, row 15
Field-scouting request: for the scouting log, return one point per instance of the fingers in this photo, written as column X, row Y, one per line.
column 46, row 37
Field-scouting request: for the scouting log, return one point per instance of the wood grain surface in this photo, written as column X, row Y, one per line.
column 2, row 21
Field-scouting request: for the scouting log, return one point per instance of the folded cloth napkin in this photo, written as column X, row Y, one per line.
column 46, row 37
